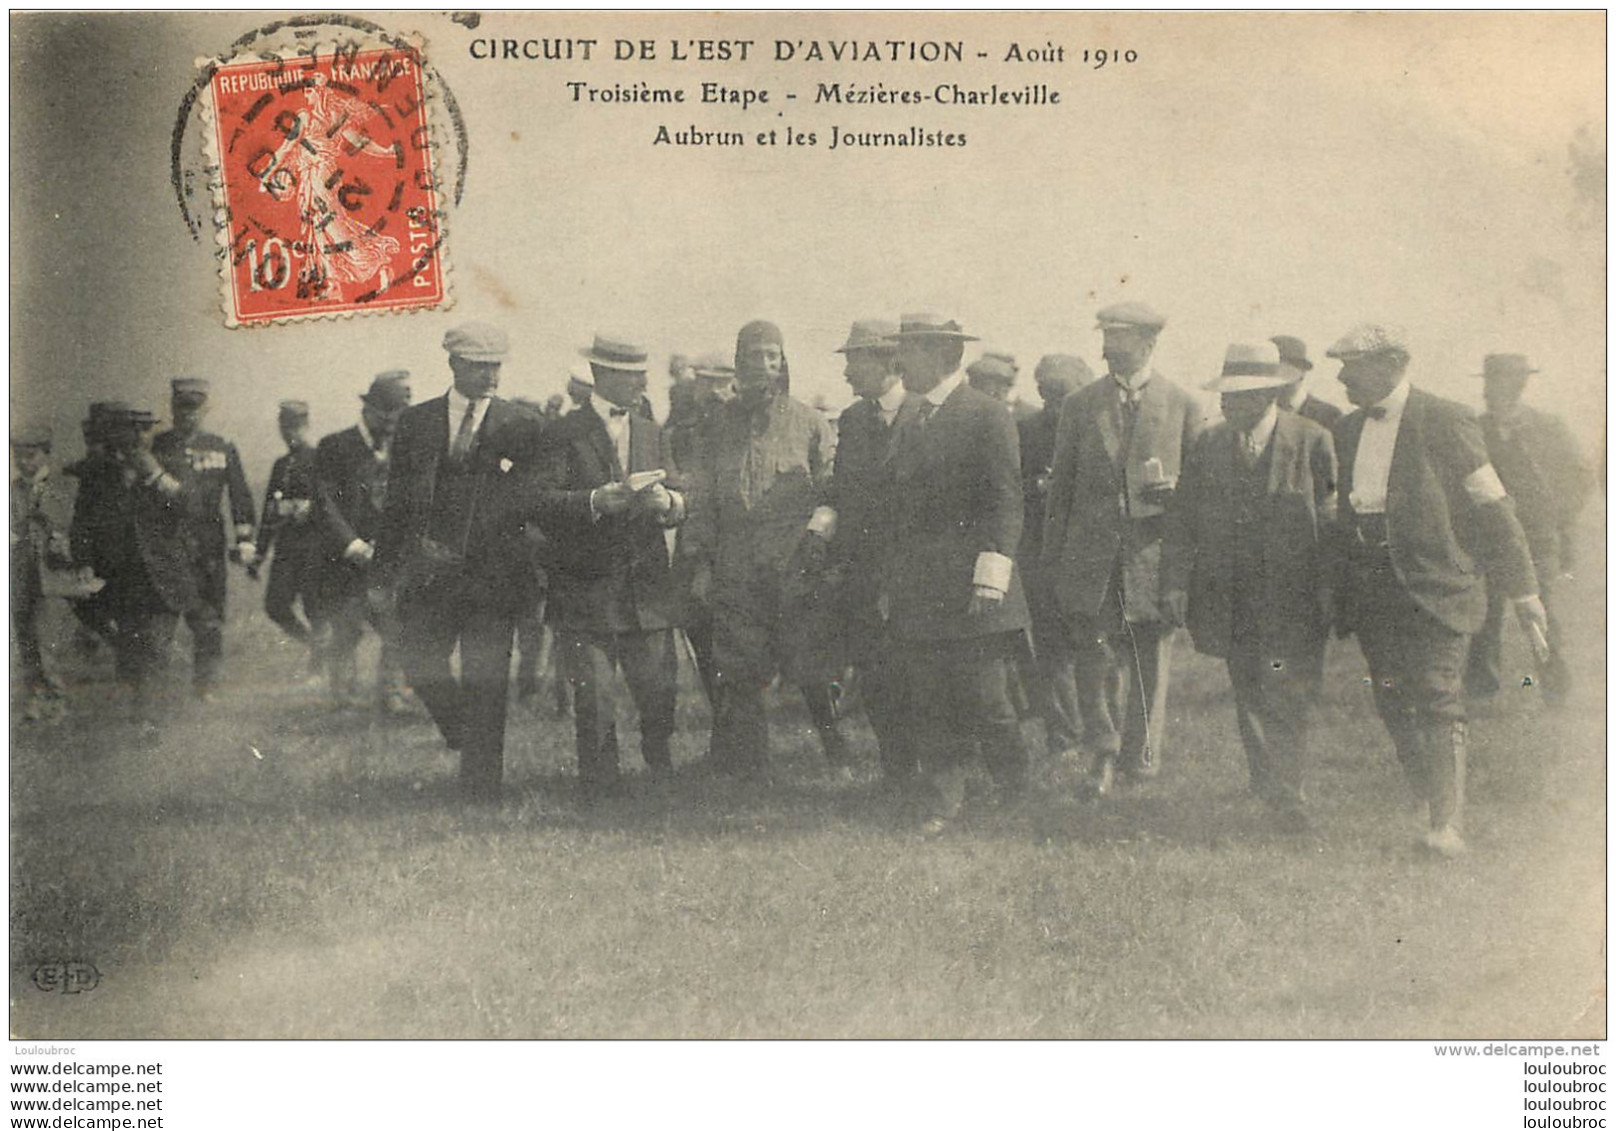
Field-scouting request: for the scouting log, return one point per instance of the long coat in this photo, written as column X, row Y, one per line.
column 609, row 574
column 135, row 537
column 497, row 564
column 1290, row 521
column 1439, row 538
column 953, row 492
column 863, row 439
column 1097, row 515
column 1537, row 459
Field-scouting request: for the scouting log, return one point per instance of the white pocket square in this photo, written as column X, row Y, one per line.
column 504, row 466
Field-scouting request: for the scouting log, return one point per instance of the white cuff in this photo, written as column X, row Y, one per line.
column 164, row 482
column 823, row 522
column 1483, row 486
column 244, row 531
column 993, row 571
column 1528, row 597
column 356, row 548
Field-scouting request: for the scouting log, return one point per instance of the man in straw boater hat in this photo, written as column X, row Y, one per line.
column 613, row 599
column 763, row 464
column 863, row 439
column 1538, row 462
column 1422, row 512
column 956, row 613
column 131, row 525
column 287, row 529
column 452, row 542
column 351, row 472
column 1244, row 566
column 220, row 481
column 1118, row 451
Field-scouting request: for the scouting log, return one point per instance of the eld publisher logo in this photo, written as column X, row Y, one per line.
column 66, row 977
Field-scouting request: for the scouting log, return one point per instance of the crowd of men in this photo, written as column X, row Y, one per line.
column 959, row 565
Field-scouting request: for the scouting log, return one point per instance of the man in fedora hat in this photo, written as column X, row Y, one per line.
column 131, row 526
column 451, row 540
column 957, row 616
column 351, row 472
column 41, row 508
column 1294, row 367
column 1118, row 452
column 220, row 479
column 1422, row 511
column 614, row 601
column 863, row 439
column 1049, row 674
column 1244, row 566
column 763, row 464
column 287, row 530
column 1538, row 462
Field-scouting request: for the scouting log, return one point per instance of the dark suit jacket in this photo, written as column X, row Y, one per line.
column 1087, row 531
column 131, row 533
column 497, row 564
column 953, row 490
column 611, row 574
column 1439, row 538
column 351, row 487
column 1291, row 521
column 1037, row 433
column 1537, row 459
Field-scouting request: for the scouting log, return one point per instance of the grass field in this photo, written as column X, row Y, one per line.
column 279, row 869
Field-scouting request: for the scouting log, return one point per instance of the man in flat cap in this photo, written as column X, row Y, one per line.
column 41, row 508
column 1422, row 512
column 132, row 526
column 1294, row 367
column 217, row 468
column 1538, row 461
column 1118, row 452
column 1244, row 565
column 452, row 541
column 286, row 529
column 957, row 616
column 994, row 374
column 351, row 471
column 863, row 439
column 763, row 465
column 614, row 601
column 1049, row 674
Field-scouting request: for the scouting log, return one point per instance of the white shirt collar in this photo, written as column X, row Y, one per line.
column 1264, row 428
column 945, row 388
column 1136, row 383
column 365, row 433
column 891, row 400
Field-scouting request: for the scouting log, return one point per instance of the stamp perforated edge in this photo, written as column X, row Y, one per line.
column 213, row 171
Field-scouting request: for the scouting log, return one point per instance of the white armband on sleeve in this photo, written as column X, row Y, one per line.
column 1483, row 486
column 164, row 482
column 823, row 522
column 992, row 571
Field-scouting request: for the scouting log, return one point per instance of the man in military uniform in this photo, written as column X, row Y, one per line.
column 1422, row 511
column 1294, row 367
column 41, row 507
column 1537, row 460
column 863, row 439
column 217, row 468
column 765, row 462
column 1049, row 675
column 351, row 478
column 287, row 530
column 1117, row 456
column 131, row 526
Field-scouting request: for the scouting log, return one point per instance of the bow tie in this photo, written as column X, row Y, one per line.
column 621, row 411
column 1376, row 412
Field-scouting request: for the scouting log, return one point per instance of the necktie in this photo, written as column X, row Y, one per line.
column 1376, row 412
column 925, row 409
column 468, row 428
column 621, row 411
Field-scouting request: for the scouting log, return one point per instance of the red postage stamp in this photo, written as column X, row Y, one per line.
column 324, row 193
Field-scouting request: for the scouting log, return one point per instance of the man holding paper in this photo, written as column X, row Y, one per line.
column 613, row 600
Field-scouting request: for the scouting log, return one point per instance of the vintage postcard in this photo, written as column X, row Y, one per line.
column 315, row 318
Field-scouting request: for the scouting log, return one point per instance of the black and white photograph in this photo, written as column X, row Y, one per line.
column 1082, row 528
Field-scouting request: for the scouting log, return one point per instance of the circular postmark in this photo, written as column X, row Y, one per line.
column 322, row 172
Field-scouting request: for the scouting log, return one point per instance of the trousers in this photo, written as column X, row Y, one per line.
column 650, row 666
